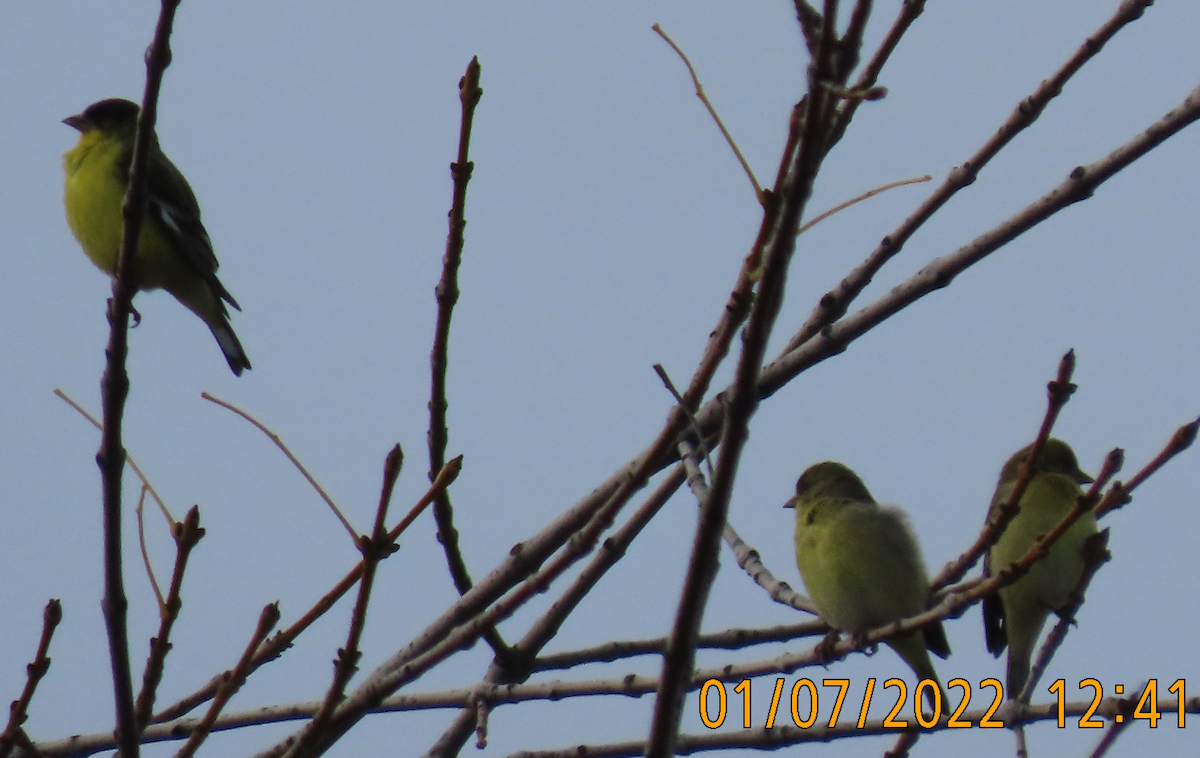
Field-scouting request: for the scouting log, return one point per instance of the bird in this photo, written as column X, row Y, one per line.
column 174, row 251
column 862, row 566
column 1014, row 616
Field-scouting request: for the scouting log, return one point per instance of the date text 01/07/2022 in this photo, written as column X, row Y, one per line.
column 714, row 702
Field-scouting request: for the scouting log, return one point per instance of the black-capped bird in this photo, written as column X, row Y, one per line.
column 173, row 252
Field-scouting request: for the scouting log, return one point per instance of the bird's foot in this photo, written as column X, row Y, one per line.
column 825, row 648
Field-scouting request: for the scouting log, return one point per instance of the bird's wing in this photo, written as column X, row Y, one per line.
column 172, row 203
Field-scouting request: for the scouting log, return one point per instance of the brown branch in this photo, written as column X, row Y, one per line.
column 523, row 659
column 374, row 549
column 275, row 646
column 758, row 192
column 469, row 94
column 114, row 385
column 1058, row 392
column 232, row 681
column 18, row 711
column 810, row 23
column 1079, row 185
column 162, row 507
column 1182, row 439
column 679, row 662
column 295, row 461
column 835, row 303
column 909, row 11
column 187, row 534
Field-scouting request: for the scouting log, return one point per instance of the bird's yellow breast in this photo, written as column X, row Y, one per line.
column 93, row 194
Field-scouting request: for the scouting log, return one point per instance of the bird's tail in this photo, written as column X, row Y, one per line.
column 230, row 346
column 912, row 649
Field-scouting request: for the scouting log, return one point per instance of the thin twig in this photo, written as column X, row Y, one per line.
column 18, row 711
column 1058, row 392
column 864, row 196
column 187, row 534
column 909, row 11
column 374, row 549
column 1182, row 439
column 295, row 461
column 728, row 639
column 703, row 446
column 834, row 304
column 758, row 192
column 810, row 23
column 280, row 642
column 233, row 681
column 162, row 507
column 141, row 531
column 525, row 652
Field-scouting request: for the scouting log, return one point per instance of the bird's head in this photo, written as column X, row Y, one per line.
column 1056, row 457
column 112, row 116
column 829, row 479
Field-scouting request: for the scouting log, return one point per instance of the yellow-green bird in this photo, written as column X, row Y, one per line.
column 1015, row 615
column 174, row 251
column 861, row 564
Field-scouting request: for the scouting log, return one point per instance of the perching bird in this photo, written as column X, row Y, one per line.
column 1015, row 615
column 173, row 251
column 861, row 564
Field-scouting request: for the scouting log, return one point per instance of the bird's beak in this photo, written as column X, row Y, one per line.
column 75, row 122
column 1082, row 478
column 790, row 504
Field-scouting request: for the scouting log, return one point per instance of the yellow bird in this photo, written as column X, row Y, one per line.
column 1014, row 616
column 173, row 252
column 862, row 566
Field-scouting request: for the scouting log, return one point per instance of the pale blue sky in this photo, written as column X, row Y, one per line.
column 606, row 223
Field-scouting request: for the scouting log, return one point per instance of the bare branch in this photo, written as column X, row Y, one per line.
column 1058, row 392
column 758, row 192
column 295, row 461
column 836, row 302
column 187, row 534
column 114, row 384
column 233, row 681
column 18, row 711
